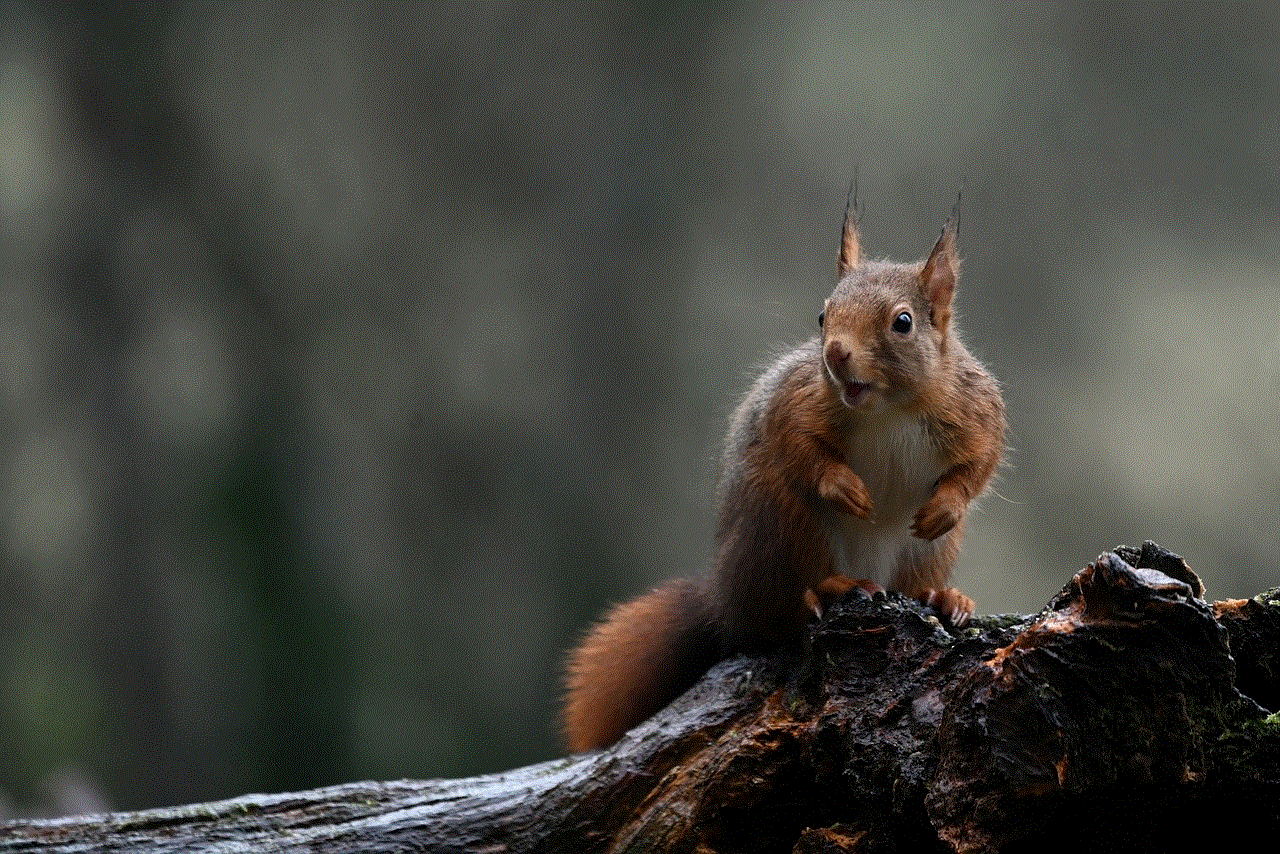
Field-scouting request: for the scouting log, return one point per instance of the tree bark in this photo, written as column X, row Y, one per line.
column 1115, row 719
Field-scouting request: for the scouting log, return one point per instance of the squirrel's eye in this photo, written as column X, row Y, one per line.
column 902, row 323
column 822, row 315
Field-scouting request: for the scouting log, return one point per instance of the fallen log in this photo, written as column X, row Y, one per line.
column 1129, row 714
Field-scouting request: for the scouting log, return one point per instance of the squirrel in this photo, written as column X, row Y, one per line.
column 850, row 464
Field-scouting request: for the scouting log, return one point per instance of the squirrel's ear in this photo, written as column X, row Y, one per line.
column 938, row 278
column 850, row 243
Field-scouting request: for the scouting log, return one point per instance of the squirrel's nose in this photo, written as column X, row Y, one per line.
column 837, row 352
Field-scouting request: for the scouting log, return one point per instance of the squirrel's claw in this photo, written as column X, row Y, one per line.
column 955, row 607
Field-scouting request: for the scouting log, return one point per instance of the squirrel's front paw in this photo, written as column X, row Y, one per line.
column 846, row 490
column 940, row 514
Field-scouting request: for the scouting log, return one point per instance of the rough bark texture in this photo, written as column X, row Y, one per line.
column 1115, row 719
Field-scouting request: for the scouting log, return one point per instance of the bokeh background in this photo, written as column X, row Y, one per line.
column 353, row 358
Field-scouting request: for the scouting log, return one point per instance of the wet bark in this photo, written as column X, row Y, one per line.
column 1129, row 714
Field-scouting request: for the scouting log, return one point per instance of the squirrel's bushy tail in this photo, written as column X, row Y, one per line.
column 642, row 656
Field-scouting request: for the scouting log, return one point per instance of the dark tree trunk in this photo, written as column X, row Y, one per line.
column 1115, row 719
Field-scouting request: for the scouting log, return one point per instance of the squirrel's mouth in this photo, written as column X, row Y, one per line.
column 853, row 392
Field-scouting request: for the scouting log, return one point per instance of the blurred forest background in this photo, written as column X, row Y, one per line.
column 354, row 358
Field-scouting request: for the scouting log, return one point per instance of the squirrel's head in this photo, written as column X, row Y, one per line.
column 886, row 326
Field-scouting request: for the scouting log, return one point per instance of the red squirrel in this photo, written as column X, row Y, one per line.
column 851, row 462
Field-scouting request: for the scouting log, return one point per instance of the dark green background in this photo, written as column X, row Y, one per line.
column 355, row 357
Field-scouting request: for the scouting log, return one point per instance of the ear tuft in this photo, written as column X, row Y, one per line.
column 850, row 242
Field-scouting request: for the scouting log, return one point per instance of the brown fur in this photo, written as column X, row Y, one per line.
column 793, row 489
